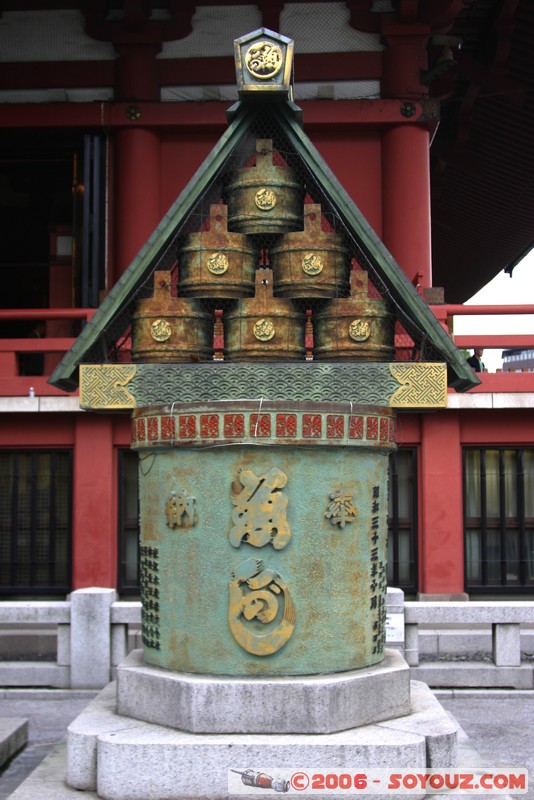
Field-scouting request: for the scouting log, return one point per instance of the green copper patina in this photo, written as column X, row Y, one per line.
column 263, row 536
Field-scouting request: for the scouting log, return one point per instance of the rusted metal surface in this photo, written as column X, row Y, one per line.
column 215, row 263
column 265, row 198
column 358, row 327
column 168, row 329
column 264, row 327
column 310, row 263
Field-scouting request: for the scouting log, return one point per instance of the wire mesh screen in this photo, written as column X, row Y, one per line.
column 265, row 247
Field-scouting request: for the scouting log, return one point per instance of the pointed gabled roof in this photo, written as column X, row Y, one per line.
column 250, row 120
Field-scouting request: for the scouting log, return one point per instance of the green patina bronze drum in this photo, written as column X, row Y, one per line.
column 359, row 327
column 265, row 198
column 216, row 264
column 167, row 328
column 312, row 263
column 263, row 560
column 264, row 327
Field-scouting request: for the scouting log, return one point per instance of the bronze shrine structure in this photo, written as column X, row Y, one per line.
column 268, row 341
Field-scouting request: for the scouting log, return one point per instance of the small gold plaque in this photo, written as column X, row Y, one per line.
column 160, row 330
column 265, row 199
column 264, row 60
column 218, row 263
column 359, row 330
column 312, row 264
column 264, row 330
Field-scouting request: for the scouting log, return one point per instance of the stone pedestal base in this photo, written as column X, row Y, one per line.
column 125, row 759
column 307, row 704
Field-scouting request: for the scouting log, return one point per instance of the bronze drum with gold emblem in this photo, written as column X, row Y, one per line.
column 358, row 327
column 215, row 263
column 167, row 328
column 310, row 263
column 265, row 198
column 263, row 327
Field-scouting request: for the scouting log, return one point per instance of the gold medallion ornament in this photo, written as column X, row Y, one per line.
column 264, row 330
column 218, row 263
column 160, row 330
column 264, row 60
column 265, row 199
column 359, row 330
column 260, row 595
column 312, row 264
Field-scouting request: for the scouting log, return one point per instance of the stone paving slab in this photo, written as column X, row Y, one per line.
column 13, row 736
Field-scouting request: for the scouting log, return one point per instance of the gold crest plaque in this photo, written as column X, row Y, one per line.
column 218, row 263
column 312, row 264
column 359, row 330
column 264, row 60
column 264, row 330
column 265, row 199
column 160, row 330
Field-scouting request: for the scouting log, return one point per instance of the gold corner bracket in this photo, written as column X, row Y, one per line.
column 103, row 386
column 422, row 385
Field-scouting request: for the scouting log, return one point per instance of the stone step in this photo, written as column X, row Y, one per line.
column 474, row 674
column 132, row 760
column 13, row 736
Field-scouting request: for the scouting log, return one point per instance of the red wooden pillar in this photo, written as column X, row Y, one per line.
column 406, row 199
column 94, row 503
column 405, row 149
column 137, row 193
column 441, row 534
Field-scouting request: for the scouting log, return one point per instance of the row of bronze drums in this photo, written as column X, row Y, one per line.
column 263, row 327
column 309, row 263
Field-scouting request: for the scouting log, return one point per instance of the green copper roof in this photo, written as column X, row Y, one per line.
column 281, row 121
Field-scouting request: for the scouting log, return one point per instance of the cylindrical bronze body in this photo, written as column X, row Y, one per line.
column 215, row 263
column 264, row 327
column 310, row 263
column 265, row 198
column 167, row 328
column 358, row 327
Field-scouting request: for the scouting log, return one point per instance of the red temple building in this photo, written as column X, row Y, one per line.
column 423, row 111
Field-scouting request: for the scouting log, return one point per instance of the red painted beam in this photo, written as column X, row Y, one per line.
column 19, row 386
column 46, row 313
column 51, row 345
column 188, row 71
column 56, row 74
column 467, row 311
column 503, row 341
column 191, row 116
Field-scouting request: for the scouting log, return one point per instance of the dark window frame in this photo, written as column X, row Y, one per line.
column 53, row 586
column 124, row 525
column 396, row 525
column 486, row 524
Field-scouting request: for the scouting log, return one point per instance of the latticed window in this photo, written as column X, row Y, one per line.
column 128, row 578
column 35, row 521
column 499, row 518
column 402, row 520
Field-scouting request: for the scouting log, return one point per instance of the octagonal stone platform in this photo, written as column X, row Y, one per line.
column 306, row 704
column 125, row 759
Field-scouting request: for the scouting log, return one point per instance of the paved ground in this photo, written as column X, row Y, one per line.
column 499, row 725
column 49, row 719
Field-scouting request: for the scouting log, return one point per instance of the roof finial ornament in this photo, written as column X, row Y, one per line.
column 264, row 65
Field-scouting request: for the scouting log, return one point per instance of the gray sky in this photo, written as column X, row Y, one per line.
column 502, row 290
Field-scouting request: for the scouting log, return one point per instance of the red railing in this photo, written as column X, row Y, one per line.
column 12, row 350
